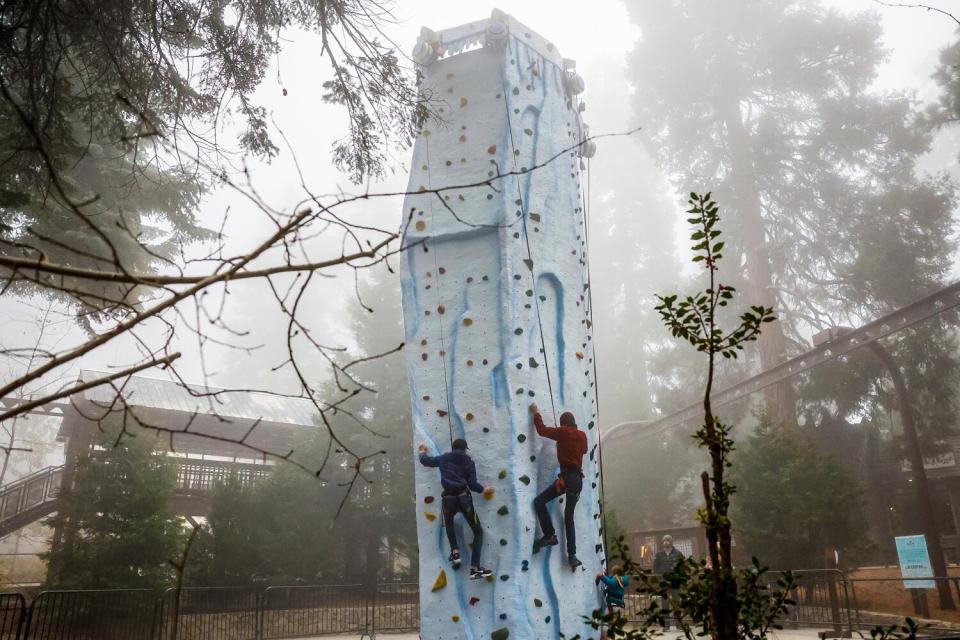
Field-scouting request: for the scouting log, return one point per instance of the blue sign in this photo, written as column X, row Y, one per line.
column 914, row 562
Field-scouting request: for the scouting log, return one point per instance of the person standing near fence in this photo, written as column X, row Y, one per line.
column 664, row 562
column 458, row 476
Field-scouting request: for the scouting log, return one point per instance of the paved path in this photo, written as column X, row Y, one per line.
column 792, row 634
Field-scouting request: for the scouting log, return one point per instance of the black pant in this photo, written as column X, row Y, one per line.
column 569, row 483
column 462, row 503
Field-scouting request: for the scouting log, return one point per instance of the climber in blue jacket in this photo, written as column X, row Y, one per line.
column 458, row 476
column 615, row 584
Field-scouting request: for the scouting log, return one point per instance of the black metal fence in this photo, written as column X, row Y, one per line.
column 13, row 609
column 210, row 613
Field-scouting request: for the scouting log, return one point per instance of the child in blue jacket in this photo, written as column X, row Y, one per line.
column 615, row 585
column 458, row 476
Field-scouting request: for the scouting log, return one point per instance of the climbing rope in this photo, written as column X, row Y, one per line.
column 440, row 307
column 526, row 238
column 596, row 380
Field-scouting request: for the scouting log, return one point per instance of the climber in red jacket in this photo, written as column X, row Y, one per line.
column 571, row 445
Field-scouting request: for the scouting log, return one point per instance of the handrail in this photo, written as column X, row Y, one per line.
column 27, row 478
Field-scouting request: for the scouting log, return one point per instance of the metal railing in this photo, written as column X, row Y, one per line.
column 204, row 475
column 116, row 614
column 211, row 613
column 397, row 607
column 306, row 611
column 28, row 493
column 13, row 614
column 822, row 598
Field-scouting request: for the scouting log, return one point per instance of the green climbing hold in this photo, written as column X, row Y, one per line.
column 521, row 438
column 500, row 634
column 503, row 510
column 537, row 602
column 502, row 474
column 503, row 542
column 525, row 479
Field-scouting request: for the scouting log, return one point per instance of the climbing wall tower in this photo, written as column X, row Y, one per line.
column 496, row 314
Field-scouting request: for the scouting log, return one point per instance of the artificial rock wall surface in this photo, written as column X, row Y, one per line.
column 472, row 294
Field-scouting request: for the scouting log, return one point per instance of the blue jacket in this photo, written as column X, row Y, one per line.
column 615, row 587
column 457, row 471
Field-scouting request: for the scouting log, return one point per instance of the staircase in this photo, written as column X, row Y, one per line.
column 28, row 499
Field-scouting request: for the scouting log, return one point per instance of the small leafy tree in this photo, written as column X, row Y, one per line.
column 694, row 319
column 707, row 596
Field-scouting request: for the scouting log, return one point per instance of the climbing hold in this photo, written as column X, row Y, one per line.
column 463, row 102
column 430, row 516
column 502, row 474
column 469, row 363
column 421, row 225
column 521, row 438
column 525, row 479
column 440, row 582
column 533, row 363
column 441, row 413
column 517, row 331
column 474, row 600
column 423, row 356
column 492, row 149
column 547, row 619
column 529, row 293
column 533, row 458
column 520, row 391
column 488, row 493
column 579, row 355
column 537, row 602
column 535, row 217
column 441, row 309
column 455, row 618
column 468, row 321
column 428, row 499
column 528, row 131
column 426, row 398
column 529, row 263
column 503, row 510
column 504, row 577
column 469, row 417
column 503, row 542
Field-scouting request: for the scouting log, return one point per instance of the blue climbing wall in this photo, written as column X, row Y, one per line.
column 472, row 294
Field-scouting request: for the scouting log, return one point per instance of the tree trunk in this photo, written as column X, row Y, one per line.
column 915, row 456
column 780, row 399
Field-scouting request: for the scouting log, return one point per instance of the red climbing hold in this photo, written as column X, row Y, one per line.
column 492, row 149
column 474, row 600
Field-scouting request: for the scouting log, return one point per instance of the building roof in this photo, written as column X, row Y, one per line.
column 155, row 393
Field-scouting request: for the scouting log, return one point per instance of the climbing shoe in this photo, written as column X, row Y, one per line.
column 574, row 562
column 455, row 559
column 479, row 572
column 545, row 541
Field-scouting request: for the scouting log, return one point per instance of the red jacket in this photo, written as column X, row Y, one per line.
column 571, row 443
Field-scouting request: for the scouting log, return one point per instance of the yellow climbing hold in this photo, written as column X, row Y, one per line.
column 455, row 618
column 441, row 581
column 467, row 322
column 488, row 493
column 430, row 516
column 421, row 225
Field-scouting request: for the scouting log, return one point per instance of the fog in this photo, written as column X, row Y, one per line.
column 832, row 148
